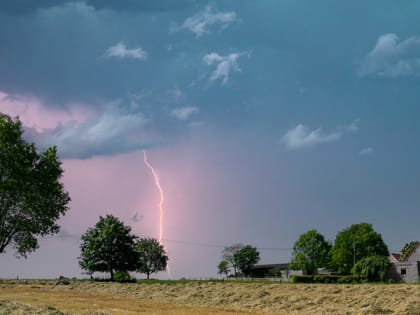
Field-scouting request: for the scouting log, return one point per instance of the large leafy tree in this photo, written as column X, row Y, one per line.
column 355, row 243
column 246, row 258
column 108, row 247
column 32, row 198
column 151, row 256
column 310, row 252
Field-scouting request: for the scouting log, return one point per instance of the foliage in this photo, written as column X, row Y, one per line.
column 273, row 273
column 123, row 276
column 408, row 250
column 151, row 256
column 372, row 268
column 228, row 255
column 107, row 247
column 353, row 244
column 326, row 279
column 32, row 198
column 310, row 252
column 223, row 268
column 246, row 258
column 239, row 258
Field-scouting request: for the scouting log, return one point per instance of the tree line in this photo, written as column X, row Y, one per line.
column 357, row 250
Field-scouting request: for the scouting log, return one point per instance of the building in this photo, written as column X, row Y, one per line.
column 273, row 271
column 407, row 268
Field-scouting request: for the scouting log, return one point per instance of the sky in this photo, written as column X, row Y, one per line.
column 263, row 120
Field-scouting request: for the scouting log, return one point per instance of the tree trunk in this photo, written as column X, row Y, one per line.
column 112, row 274
column 148, row 274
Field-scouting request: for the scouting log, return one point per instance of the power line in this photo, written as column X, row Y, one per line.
column 182, row 242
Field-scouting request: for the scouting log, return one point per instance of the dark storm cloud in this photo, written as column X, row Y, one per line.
column 22, row 7
column 145, row 5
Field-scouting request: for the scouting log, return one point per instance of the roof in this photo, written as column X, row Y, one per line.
column 413, row 250
column 394, row 257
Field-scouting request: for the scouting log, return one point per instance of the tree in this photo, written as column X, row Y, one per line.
column 310, row 252
column 223, row 268
column 372, row 268
column 246, row 258
column 353, row 244
column 228, row 255
column 108, row 247
column 151, row 256
column 32, row 198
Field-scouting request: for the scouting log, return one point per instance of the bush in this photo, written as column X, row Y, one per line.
column 326, row 279
column 63, row 281
column 350, row 279
column 122, row 276
column 372, row 268
column 273, row 273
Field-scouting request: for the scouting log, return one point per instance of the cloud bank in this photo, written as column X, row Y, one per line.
column 392, row 58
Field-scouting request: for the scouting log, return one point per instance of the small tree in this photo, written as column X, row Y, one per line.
column 223, row 268
column 107, row 247
column 310, row 252
column 151, row 256
column 355, row 243
column 228, row 255
column 372, row 268
column 32, row 198
column 246, row 258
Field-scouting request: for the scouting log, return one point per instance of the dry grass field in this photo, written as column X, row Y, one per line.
column 205, row 297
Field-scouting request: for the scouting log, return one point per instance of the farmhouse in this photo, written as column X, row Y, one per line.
column 406, row 268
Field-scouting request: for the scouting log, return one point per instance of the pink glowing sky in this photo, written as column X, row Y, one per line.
column 202, row 197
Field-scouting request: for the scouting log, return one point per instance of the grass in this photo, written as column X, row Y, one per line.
column 207, row 297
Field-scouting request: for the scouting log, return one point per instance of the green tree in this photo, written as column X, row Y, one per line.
column 151, row 256
column 246, row 258
column 228, row 255
column 353, row 244
column 32, row 198
column 372, row 268
column 223, row 268
column 108, row 247
column 310, row 252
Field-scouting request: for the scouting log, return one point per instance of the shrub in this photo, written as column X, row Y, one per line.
column 326, row 279
column 122, row 276
column 372, row 268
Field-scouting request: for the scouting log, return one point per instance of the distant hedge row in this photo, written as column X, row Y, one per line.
column 326, row 279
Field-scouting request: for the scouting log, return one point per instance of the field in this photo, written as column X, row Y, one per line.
column 205, row 297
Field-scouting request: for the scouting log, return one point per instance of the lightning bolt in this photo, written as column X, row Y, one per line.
column 159, row 187
column 157, row 183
